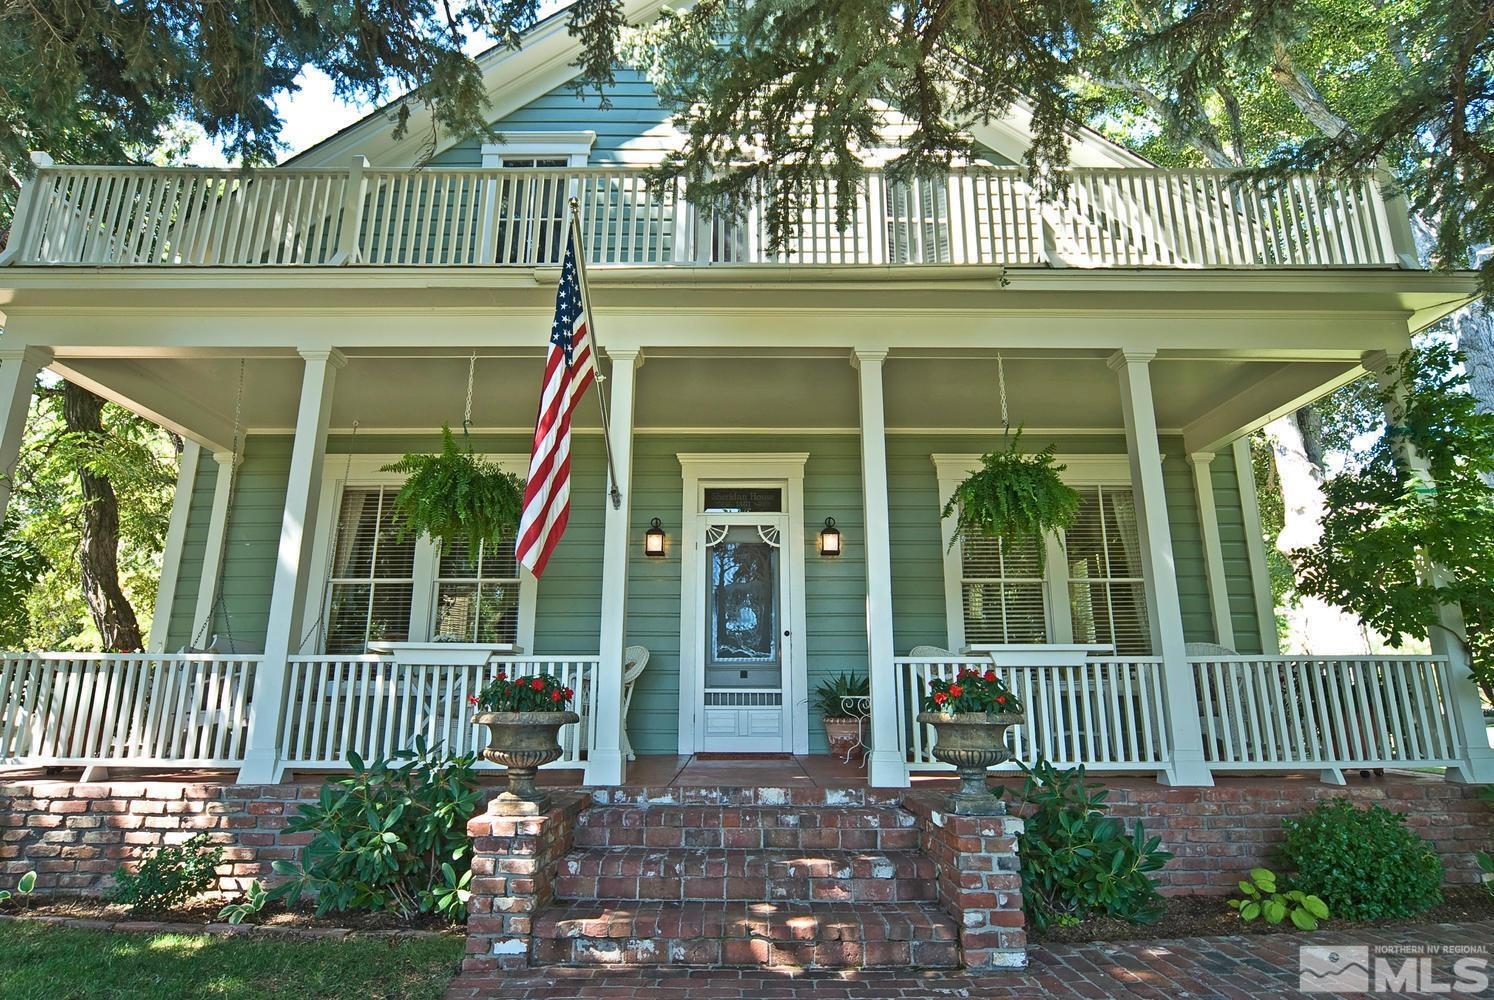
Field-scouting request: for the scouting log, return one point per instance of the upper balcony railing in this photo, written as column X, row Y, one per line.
column 434, row 217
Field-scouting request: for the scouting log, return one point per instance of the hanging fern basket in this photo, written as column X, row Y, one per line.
column 1014, row 497
column 457, row 497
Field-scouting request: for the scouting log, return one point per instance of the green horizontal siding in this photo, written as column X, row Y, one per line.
column 569, row 602
column 194, row 547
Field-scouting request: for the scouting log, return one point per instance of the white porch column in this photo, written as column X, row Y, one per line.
column 297, row 528
column 18, row 370
column 1476, row 758
column 1184, row 735
column 886, row 767
column 171, row 556
column 1255, row 548
column 1208, row 526
column 607, row 764
column 212, row 551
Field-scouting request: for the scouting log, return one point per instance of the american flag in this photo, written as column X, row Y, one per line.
column 569, row 368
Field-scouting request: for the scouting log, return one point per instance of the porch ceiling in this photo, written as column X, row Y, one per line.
column 1206, row 398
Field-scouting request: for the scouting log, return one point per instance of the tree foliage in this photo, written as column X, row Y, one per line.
column 46, row 521
column 1385, row 528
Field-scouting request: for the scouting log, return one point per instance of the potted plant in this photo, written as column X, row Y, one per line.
column 1014, row 497
column 457, row 496
column 842, row 722
column 523, row 716
column 970, row 716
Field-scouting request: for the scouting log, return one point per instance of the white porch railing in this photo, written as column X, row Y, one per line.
column 373, row 706
column 155, row 216
column 1107, row 714
column 140, row 709
column 1255, row 712
column 1329, row 712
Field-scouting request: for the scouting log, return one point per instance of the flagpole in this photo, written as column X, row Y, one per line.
column 591, row 326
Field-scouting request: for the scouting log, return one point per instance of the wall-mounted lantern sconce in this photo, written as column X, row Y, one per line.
column 829, row 538
column 653, row 540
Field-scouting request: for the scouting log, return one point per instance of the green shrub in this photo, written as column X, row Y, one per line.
column 1076, row 861
column 1261, row 899
column 391, row 838
column 1364, row 863
column 169, row 876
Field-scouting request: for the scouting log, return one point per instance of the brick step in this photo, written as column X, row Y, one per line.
column 749, row 827
column 800, row 935
column 745, row 795
column 645, row 873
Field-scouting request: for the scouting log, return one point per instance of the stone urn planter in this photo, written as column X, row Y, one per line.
column 523, row 742
column 972, row 742
column 842, row 733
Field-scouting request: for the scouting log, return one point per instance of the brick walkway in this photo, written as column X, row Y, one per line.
column 1238, row 968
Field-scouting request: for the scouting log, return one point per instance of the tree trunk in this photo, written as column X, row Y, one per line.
column 98, row 555
column 1315, row 625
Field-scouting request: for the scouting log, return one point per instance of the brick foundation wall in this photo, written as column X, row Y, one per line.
column 980, row 884
column 515, row 860
column 75, row 835
column 1218, row 834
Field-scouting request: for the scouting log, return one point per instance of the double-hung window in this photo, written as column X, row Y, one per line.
column 374, row 586
column 1086, row 586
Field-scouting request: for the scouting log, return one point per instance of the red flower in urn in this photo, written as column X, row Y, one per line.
column 971, row 691
column 542, row 693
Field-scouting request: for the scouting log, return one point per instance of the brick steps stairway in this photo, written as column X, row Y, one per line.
column 808, row 878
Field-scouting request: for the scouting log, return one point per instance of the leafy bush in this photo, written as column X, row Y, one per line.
column 254, row 901
column 1260, row 898
column 541, row 693
column 830, row 692
column 1364, row 863
column 391, row 837
column 169, row 876
column 971, row 691
column 1076, row 861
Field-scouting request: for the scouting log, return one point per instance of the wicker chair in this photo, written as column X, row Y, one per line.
column 635, row 658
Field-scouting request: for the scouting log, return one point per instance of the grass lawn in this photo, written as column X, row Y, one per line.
column 39, row 961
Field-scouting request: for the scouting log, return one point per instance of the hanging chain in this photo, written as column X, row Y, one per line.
column 321, row 618
column 471, row 377
column 1006, row 423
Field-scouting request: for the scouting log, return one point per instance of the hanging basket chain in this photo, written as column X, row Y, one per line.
column 467, row 413
column 1006, row 422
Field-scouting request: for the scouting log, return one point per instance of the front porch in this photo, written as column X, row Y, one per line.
column 741, row 425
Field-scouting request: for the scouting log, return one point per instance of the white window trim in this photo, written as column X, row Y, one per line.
column 368, row 470
column 575, row 146
column 1080, row 470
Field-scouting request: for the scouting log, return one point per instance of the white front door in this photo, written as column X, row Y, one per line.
column 742, row 655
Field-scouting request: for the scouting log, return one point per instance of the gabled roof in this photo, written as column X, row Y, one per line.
column 546, row 60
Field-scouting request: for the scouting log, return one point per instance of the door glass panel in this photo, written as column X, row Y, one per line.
column 742, row 613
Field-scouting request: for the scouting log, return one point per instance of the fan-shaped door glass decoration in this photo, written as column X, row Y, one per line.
column 743, row 645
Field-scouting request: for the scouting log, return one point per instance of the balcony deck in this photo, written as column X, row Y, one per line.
column 434, row 217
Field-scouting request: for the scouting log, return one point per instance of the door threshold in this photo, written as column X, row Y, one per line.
column 742, row 755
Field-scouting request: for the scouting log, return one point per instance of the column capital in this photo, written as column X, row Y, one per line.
column 225, row 458
column 1378, row 362
column 625, row 356
column 330, row 355
column 1200, row 458
column 38, row 356
column 1130, row 356
column 873, row 356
